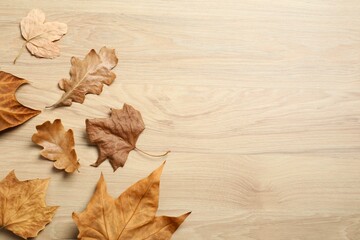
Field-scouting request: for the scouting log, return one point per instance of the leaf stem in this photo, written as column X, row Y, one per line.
column 52, row 106
column 20, row 52
column 152, row 155
column 23, row 46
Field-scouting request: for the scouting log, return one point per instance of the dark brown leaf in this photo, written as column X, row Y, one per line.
column 115, row 136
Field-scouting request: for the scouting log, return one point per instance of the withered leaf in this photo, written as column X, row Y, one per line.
column 130, row 216
column 12, row 113
column 88, row 76
column 115, row 136
column 40, row 36
column 23, row 210
column 58, row 144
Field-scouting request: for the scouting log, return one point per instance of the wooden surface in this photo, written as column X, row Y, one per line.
column 259, row 102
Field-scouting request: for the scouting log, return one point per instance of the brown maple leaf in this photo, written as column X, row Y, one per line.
column 59, row 146
column 23, row 210
column 130, row 216
column 12, row 113
column 40, row 36
column 88, row 76
column 116, row 136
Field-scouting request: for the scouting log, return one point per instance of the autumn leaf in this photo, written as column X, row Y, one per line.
column 88, row 76
column 58, row 144
column 40, row 36
column 23, row 210
column 12, row 113
column 116, row 136
column 130, row 216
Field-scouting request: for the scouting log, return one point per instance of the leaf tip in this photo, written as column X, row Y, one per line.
column 94, row 165
column 55, row 208
column 160, row 169
column 74, row 216
column 101, row 183
column 184, row 216
column 102, row 176
column 11, row 174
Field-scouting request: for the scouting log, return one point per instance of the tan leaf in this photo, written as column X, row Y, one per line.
column 23, row 210
column 116, row 136
column 40, row 36
column 59, row 146
column 130, row 216
column 12, row 113
column 88, row 76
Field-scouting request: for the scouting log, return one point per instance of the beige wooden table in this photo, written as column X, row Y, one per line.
column 259, row 102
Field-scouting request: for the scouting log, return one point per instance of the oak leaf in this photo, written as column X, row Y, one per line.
column 116, row 136
column 88, row 76
column 130, row 216
column 12, row 113
column 40, row 35
column 58, row 144
column 23, row 210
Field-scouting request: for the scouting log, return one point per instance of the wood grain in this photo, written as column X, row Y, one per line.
column 259, row 102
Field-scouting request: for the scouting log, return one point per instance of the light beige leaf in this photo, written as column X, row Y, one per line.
column 40, row 36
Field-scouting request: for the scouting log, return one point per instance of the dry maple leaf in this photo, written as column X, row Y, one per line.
column 88, row 76
column 12, row 113
column 59, row 145
column 23, row 210
column 116, row 136
column 40, row 36
column 130, row 216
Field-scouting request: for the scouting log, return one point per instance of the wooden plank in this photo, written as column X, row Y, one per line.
column 258, row 101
